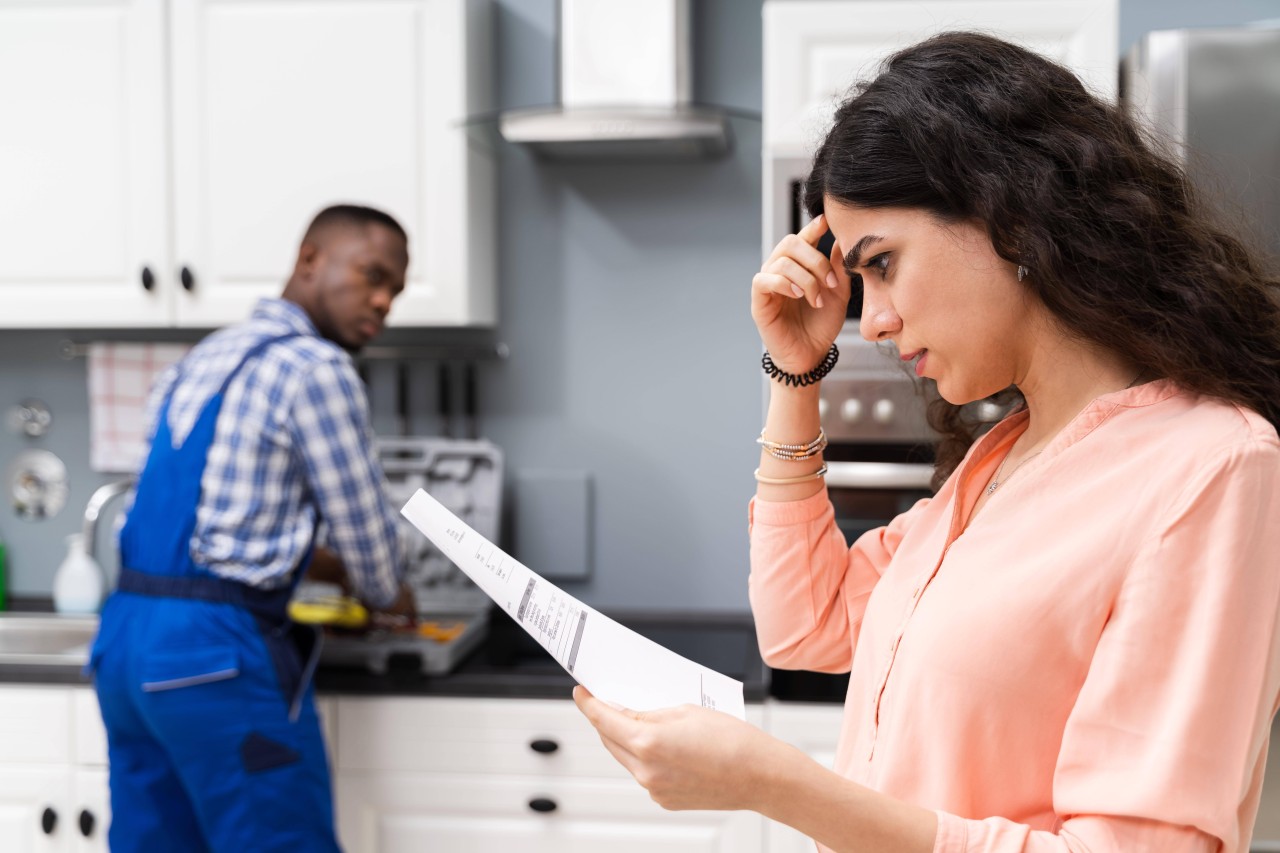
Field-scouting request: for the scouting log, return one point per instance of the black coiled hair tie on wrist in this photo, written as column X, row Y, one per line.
column 823, row 368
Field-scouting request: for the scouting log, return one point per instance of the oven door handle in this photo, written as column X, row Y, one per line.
column 878, row 475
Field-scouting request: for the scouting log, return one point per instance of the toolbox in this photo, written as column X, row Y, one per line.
column 453, row 613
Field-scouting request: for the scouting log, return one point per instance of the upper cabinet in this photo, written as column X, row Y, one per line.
column 815, row 50
column 159, row 159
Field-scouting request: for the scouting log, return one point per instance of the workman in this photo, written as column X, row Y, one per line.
column 260, row 444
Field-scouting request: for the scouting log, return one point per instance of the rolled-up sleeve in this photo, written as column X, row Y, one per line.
column 1167, row 737
column 330, row 425
column 808, row 588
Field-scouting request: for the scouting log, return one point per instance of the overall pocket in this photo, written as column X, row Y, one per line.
column 175, row 670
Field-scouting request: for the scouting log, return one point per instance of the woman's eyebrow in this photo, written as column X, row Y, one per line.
column 853, row 258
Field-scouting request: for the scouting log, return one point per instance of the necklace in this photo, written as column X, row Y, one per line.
column 1000, row 478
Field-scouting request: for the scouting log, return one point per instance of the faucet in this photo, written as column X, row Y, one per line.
column 93, row 510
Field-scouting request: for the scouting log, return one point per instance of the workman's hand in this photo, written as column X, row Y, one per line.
column 687, row 757
column 798, row 299
column 327, row 567
column 402, row 611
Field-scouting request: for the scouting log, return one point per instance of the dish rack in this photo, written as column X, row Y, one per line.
column 466, row 476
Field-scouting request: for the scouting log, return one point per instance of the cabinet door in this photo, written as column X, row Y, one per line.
column 90, row 811
column 815, row 50
column 814, row 728
column 34, row 817
column 83, row 196
column 280, row 109
column 407, row 813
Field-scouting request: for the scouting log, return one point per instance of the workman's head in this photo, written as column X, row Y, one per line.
column 351, row 266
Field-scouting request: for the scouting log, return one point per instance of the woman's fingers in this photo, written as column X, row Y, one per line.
column 838, row 273
column 804, row 253
column 614, row 726
column 813, row 230
column 784, row 276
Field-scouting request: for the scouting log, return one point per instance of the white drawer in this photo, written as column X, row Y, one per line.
column 35, row 724
column 90, row 745
column 469, row 736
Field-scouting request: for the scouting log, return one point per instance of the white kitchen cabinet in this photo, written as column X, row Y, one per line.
column 815, row 50
column 813, row 727
column 83, row 171
column 479, row 775
column 194, row 139
column 52, row 770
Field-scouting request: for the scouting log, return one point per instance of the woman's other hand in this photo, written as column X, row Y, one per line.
column 686, row 757
column 798, row 299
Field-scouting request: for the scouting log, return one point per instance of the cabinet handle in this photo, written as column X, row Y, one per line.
column 188, row 279
column 86, row 823
column 148, row 279
column 48, row 820
column 545, row 746
column 545, row 805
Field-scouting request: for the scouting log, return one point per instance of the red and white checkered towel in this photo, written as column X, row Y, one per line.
column 120, row 375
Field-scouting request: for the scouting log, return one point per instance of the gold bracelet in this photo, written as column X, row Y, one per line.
column 786, row 481
column 794, row 452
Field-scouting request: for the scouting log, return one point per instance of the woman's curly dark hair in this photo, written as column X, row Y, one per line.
column 1119, row 248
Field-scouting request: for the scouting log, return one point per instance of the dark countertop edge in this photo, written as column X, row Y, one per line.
column 19, row 673
column 347, row 682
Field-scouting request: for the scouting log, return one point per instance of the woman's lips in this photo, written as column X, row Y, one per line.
column 924, row 354
column 919, row 355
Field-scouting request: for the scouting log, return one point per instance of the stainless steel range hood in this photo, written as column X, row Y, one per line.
column 625, row 88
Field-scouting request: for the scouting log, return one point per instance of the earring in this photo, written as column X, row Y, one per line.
column 1022, row 272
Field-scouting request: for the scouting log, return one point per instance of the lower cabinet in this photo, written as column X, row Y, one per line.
column 410, row 774
column 53, row 771
column 814, row 728
column 480, row 775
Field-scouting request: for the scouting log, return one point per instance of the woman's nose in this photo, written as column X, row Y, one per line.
column 879, row 321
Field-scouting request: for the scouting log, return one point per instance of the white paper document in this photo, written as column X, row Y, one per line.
column 613, row 662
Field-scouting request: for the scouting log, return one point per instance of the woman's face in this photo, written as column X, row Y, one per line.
column 940, row 293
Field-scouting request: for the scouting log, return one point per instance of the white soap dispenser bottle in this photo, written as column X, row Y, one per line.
column 78, row 585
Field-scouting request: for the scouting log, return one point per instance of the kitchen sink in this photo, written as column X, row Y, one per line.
column 45, row 639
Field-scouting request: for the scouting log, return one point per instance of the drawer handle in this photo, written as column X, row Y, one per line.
column 545, row 805
column 148, row 279
column 188, row 279
column 545, row 746
column 86, row 823
column 48, row 820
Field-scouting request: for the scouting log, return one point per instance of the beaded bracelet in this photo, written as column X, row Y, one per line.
column 786, row 481
column 823, row 368
column 794, row 452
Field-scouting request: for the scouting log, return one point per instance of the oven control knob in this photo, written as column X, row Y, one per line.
column 882, row 411
column 851, row 410
column 823, row 406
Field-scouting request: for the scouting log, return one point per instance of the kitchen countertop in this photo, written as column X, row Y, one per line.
column 510, row 663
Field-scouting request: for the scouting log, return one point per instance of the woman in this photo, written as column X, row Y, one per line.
column 1073, row 645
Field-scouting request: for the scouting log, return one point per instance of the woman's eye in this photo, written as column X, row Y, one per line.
column 880, row 263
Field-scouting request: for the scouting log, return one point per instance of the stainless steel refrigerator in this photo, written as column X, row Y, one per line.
column 1213, row 96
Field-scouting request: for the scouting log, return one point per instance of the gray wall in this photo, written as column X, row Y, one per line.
column 624, row 303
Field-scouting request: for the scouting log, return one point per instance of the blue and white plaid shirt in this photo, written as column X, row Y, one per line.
column 292, row 449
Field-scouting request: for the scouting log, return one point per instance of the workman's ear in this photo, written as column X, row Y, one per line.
column 308, row 257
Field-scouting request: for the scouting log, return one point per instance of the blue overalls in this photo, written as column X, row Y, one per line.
column 204, row 683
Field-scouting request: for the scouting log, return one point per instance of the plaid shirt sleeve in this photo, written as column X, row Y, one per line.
column 330, row 428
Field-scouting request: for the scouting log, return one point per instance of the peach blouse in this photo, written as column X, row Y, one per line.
column 1091, row 665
